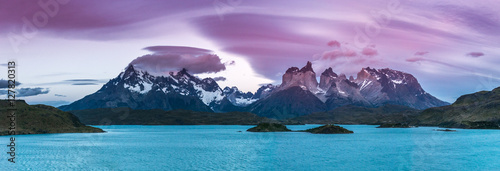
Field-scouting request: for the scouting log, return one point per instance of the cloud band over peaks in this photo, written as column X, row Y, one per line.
column 174, row 58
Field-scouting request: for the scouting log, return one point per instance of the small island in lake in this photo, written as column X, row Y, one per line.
column 275, row 127
column 329, row 129
column 269, row 127
column 446, row 130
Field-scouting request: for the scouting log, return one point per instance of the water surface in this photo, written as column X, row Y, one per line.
column 224, row 148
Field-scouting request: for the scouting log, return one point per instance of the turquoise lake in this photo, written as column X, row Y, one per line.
column 224, row 148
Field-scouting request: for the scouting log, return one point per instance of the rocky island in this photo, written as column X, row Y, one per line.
column 329, row 129
column 269, row 127
column 446, row 130
column 39, row 119
column 275, row 127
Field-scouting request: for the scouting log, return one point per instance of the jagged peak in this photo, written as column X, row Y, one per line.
column 129, row 67
column 342, row 77
column 292, row 70
column 369, row 70
column 329, row 73
column 304, row 69
column 308, row 67
column 129, row 72
column 183, row 71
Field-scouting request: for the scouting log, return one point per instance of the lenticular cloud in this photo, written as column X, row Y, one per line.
column 174, row 58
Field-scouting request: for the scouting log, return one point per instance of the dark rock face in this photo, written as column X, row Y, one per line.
column 269, row 127
column 329, row 129
column 472, row 111
column 287, row 103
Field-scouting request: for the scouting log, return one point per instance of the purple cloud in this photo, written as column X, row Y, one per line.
column 94, row 19
column 174, row 58
column 415, row 59
column 267, row 42
column 421, row 53
column 177, row 50
column 482, row 20
column 475, row 54
column 220, row 78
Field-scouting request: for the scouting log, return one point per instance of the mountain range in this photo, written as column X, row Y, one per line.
column 299, row 93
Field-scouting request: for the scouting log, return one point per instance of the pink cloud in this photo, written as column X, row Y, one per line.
column 333, row 43
column 369, row 51
column 338, row 53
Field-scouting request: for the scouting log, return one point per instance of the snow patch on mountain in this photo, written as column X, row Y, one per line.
column 207, row 96
column 244, row 101
column 365, row 84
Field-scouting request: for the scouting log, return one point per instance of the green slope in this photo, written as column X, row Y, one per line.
column 40, row 119
column 478, row 110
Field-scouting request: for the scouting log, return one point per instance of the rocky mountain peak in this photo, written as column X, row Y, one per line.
column 308, row 67
column 292, row 70
column 304, row 78
column 329, row 73
column 129, row 72
column 183, row 71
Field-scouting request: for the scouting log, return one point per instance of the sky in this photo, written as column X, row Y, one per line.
column 66, row 49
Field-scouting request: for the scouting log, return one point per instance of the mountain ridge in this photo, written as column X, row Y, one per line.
column 299, row 93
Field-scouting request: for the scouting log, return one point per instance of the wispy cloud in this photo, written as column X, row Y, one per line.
column 25, row 92
column 475, row 54
column 219, row 78
column 5, row 83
